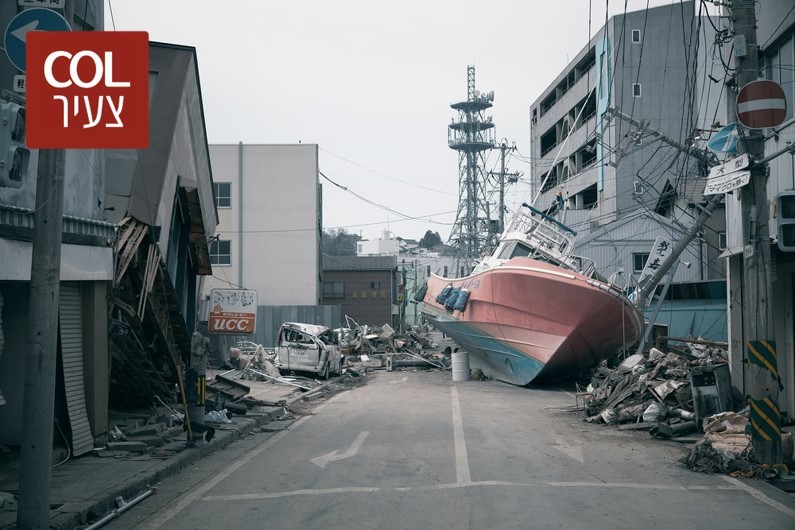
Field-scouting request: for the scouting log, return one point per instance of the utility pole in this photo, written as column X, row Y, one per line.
column 512, row 177
column 35, row 470
column 757, row 310
column 35, row 467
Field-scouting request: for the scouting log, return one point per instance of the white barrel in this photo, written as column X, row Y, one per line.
column 460, row 366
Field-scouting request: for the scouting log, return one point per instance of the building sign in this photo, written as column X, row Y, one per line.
column 730, row 166
column 233, row 311
column 364, row 295
column 660, row 251
column 728, row 182
column 86, row 89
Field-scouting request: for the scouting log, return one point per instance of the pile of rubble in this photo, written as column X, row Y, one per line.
column 653, row 392
column 650, row 391
column 258, row 363
column 383, row 347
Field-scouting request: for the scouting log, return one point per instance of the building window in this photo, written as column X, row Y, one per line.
column 636, row 90
column 220, row 252
column 223, row 194
column 375, row 285
column 635, row 36
column 333, row 290
column 721, row 240
column 639, row 261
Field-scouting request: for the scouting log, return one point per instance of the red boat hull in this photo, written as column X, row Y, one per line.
column 527, row 319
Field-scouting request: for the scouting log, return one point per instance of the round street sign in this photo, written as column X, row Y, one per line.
column 38, row 19
column 761, row 104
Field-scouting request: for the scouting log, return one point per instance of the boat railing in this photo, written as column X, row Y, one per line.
column 543, row 230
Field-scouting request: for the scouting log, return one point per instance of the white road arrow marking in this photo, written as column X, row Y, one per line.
column 400, row 381
column 333, row 456
column 574, row 451
column 22, row 32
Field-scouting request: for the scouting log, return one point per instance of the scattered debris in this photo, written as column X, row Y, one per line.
column 726, row 448
column 384, row 348
column 676, row 393
column 653, row 391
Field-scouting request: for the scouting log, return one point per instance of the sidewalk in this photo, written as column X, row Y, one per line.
column 84, row 489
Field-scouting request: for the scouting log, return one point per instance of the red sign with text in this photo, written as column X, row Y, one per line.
column 87, row 90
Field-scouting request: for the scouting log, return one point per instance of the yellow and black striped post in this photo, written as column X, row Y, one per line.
column 765, row 416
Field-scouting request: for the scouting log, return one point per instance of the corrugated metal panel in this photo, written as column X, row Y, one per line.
column 71, row 329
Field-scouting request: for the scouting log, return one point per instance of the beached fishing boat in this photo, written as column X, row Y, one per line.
column 533, row 310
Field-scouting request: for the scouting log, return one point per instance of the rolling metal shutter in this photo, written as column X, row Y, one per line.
column 71, row 329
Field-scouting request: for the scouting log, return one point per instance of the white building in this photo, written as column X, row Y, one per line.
column 269, row 213
column 386, row 245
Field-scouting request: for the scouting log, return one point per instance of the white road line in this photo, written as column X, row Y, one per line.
column 184, row 501
column 459, row 485
column 461, row 460
column 761, row 496
column 399, row 381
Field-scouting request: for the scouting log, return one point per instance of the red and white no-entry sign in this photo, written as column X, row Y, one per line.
column 761, row 104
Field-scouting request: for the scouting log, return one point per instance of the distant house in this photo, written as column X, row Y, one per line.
column 365, row 286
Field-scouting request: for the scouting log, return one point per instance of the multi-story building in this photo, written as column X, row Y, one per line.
column 597, row 140
column 619, row 154
column 269, row 212
column 269, row 205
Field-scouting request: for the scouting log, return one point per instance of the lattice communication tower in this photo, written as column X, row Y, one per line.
column 472, row 133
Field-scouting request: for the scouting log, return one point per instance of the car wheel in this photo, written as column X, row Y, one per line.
column 325, row 371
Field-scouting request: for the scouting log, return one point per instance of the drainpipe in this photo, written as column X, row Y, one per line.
column 240, row 214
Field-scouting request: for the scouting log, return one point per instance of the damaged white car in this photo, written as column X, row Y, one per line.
column 308, row 348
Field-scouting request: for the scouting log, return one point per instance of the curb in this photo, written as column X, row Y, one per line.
column 97, row 508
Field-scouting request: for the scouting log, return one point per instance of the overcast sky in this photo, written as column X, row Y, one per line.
column 371, row 82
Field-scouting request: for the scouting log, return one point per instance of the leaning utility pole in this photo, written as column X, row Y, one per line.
column 758, row 327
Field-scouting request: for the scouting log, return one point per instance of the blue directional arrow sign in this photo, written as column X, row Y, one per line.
column 31, row 19
column 725, row 140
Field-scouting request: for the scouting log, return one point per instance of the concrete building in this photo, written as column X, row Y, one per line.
column 269, row 212
column 386, row 245
column 647, row 66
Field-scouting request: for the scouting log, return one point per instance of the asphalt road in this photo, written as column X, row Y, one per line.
column 415, row 450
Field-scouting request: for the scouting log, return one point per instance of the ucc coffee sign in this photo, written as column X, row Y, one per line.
column 87, row 90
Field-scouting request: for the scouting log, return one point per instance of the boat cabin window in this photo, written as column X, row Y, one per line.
column 515, row 249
